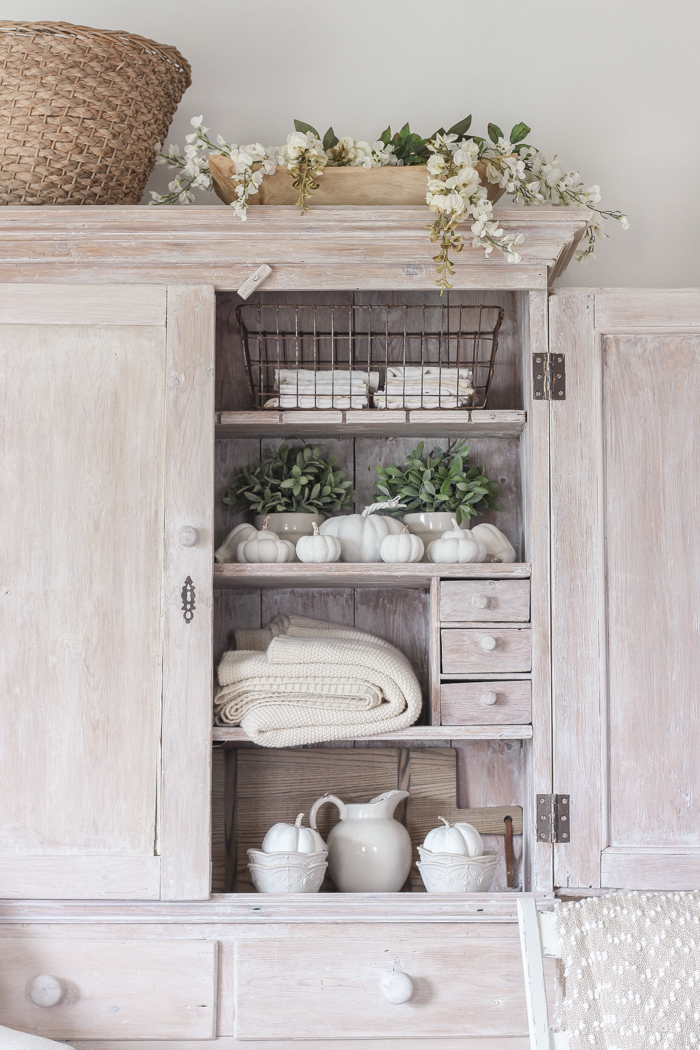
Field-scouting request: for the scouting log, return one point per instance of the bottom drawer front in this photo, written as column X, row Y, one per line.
column 473, row 703
column 110, row 989
column 467, row 981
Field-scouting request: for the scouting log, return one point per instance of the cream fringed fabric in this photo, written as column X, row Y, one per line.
column 303, row 681
column 632, row 971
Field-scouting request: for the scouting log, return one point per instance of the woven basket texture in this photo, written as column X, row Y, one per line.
column 81, row 111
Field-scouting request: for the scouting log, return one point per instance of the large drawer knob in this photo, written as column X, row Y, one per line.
column 488, row 643
column 396, row 986
column 187, row 536
column 46, row 990
column 480, row 601
column 488, row 698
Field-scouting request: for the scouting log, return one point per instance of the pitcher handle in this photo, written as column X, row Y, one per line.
column 321, row 802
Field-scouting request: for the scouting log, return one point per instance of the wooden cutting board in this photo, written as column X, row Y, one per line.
column 273, row 785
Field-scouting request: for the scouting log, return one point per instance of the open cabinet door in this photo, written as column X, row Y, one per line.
column 107, row 451
column 626, row 587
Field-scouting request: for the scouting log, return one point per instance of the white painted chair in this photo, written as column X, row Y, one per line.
column 539, row 938
column 13, row 1040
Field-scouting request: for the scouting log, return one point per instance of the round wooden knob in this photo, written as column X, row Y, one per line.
column 396, row 987
column 488, row 698
column 187, row 536
column 480, row 601
column 46, row 990
column 488, row 643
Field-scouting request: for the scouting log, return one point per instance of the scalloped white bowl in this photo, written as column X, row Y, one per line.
column 287, row 872
column 452, row 873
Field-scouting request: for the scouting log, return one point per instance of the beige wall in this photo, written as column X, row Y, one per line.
column 612, row 85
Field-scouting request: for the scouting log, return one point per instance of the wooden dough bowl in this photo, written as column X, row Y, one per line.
column 389, row 186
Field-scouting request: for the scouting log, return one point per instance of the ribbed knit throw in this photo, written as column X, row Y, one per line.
column 631, row 971
column 302, row 681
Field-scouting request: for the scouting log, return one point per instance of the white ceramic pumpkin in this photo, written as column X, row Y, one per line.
column 318, row 548
column 266, row 546
column 361, row 535
column 227, row 550
column 457, row 546
column 404, row 547
column 292, row 838
column 461, row 838
column 498, row 546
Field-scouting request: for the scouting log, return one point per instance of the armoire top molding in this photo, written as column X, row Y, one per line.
column 330, row 248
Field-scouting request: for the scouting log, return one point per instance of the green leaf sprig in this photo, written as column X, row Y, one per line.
column 441, row 480
column 293, row 478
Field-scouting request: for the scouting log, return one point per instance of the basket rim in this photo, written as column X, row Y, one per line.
column 69, row 30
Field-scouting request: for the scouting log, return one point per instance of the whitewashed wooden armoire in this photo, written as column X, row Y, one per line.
column 124, row 922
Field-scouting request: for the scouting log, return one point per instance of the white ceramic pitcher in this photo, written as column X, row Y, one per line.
column 368, row 851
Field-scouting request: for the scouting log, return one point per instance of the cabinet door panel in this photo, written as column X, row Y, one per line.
column 626, row 589
column 83, row 510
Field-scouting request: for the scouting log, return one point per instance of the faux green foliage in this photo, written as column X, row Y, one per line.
column 411, row 148
column 441, row 480
column 294, row 478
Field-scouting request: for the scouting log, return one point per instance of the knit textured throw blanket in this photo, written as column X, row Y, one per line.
column 631, row 971
column 302, row 681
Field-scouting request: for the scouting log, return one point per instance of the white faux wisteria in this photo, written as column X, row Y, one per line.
column 536, row 178
column 455, row 192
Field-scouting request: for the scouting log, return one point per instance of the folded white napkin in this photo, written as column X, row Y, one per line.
column 316, row 401
column 416, row 372
column 382, row 400
column 336, row 380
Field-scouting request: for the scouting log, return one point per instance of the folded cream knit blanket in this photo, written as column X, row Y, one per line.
column 632, row 971
column 302, row 681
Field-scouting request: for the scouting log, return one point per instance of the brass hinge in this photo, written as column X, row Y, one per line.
column 549, row 377
column 553, row 818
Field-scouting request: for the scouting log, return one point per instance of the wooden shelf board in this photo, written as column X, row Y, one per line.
column 418, row 735
column 372, row 423
column 496, row 676
column 265, row 908
column 351, row 574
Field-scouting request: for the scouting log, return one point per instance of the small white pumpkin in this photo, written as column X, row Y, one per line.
column 457, row 546
column 318, row 548
column 404, row 547
column 292, row 838
column 227, row 550
column 361, row 535
column 498, row 546
column 460, row 838
column 266, row 546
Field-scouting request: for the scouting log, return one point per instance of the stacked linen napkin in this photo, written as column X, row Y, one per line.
column 303, row 681
column 322, row 388
column 429, row 386
column 631, row 971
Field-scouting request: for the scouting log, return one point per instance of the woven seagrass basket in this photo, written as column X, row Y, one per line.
column 81, row 111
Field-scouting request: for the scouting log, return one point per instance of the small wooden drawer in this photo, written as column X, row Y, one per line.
column 484, row 650
column 497, row 600
column 485, row 703
column 325, row 983
column 85, row 989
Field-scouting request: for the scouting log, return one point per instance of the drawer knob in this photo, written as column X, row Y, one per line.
column 396, row 986
column 488, row 698
column 488, row 643
column 480, row 601
column 46, row 990
column 187, row 536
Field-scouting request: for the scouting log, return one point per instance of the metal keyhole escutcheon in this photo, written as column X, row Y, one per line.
column 188, row 596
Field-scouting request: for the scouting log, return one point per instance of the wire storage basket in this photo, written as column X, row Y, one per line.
column 369, row 357
column 81, row 111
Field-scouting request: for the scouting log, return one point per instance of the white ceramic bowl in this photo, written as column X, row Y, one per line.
column 287, row 872
column 452, row 873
